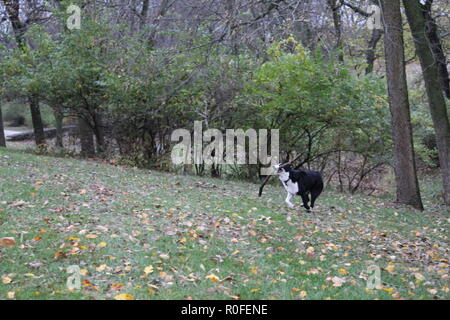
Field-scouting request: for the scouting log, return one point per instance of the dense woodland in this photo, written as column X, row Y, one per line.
column 355, row 97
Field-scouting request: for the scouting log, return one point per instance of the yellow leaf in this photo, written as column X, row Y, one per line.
column 101, row 268
column 91, row 236
column 390, row 268
column 102, row 244
column 148, row 269
column 254, row 269
column 255, row 290
column 213, row 278
column 343, row 271
column 29, row 275
column 83, row 272
column 83, row 191
column 124, row 296
column 6, row 280
column 419, row 276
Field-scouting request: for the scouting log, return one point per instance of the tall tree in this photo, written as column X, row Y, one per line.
column 335, row 7
column 2, row 132
column 19, row 28
column 405, row 167
column 86, row 138
column 416, row 14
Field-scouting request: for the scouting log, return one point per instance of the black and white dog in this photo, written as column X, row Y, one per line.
column 300, row 183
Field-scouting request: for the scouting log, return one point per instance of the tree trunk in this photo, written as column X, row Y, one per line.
column 59, row 129
column 436, row 99
column 436, row 46
column 372, row 47
column 19, row 28
column 144, row 12
column 98, row 132
column 405, row 167
column 86, row 138
column 36, row 118
column 2, row 132
column 337, row 20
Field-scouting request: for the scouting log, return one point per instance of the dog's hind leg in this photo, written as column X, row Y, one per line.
column 314, row 194
column 305, row 199
column 288, row 201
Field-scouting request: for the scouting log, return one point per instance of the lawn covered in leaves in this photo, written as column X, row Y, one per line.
column 150, row 235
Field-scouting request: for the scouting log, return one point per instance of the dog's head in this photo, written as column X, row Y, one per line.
column 282, row 168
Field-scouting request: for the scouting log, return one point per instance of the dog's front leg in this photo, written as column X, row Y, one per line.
column 288, row 201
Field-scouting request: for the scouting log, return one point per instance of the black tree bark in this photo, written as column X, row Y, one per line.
column 86, row 138
column 59, row 118
column 38, row 126
column 2, row 132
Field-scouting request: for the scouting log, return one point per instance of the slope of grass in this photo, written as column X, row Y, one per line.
column 151, row 235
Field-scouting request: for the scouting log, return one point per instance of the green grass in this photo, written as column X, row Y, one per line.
column 188, row 228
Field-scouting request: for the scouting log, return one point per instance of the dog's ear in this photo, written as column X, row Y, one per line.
column 288, row 167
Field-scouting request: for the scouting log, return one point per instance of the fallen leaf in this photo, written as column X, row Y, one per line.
column 116, row 286
column 343, row 271
column 213, row 278
column 419, row 276
column 83, row 272
column 124, row 296
column 390, row 268
column 148, row 269
column 7, row 242
column 6, row 280
column 337, row 282
column 101, row 267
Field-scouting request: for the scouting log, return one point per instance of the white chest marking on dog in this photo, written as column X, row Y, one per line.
column 290, row 186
